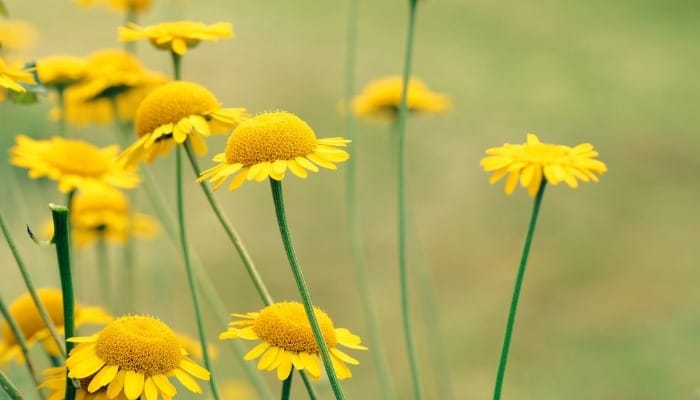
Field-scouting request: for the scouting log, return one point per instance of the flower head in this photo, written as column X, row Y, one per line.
column 176, row 36
column 175, row 112
column 16, row 35
column 269, row 144
column 135, row 356
column 530, row 162
column 33, row 328
column 74, row 164
column 61, row 71
column 11, row 78
column 381, row 98
column 119, row 5
column 288, row 341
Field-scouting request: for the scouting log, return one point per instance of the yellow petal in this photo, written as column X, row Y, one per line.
column 256, row 351
column 164, row 385
column 133, row 384
column 187, row 381
column 150, row 389
column 102, row 378
column 193, row 369
column 117, row 384
column 179, row 46
column 285, row 367
column 297, row 169
column 268, row 358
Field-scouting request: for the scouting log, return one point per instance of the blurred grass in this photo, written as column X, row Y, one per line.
column 609, row 307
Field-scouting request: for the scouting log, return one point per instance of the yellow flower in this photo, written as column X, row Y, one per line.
column 134, row 355
column 102, row 211
column 11, row 78
column 33, row 328
column 16, row 35
column 173, row 113
column 119, row 5
column 56, row 383
column 74, row 164
column 269, row 144
column 381, row 98
column 287, row 340
column 530, row 162
column 176, row 36
column 61, row 71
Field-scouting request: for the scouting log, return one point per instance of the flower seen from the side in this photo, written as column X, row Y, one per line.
column 55, row 382
column 134, row 356
column 137, row 6
column 531, row 162
column 176, row 112
column 176, row 36
column 32, row 326
column 74, row 164
column 61, row 71
column 288, row 341
column 381, row 98
column 269, row 144
column 11, row 78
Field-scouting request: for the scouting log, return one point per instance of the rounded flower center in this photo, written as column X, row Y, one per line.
column 27, row 316
column 285, row 325
column 77, row 157
column 141, row 344
column 544, row 153
column 268, row 137
column 171, row 102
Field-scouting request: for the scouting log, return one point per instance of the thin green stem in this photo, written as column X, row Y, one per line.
column 401, row 192
column 278, row 199
column 287, row 387
column 516, row 292
column 103, row 272
column 9, row 387
column 307, row 384
column 231, row 232
column 60, row 93
column 61, row 238
column 353, row 220
column 21, row 341
column 129, row 18
column 177, row 65
column 190, row 271
column 31, row 289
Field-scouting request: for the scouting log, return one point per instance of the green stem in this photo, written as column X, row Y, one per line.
column 516, row 292
column 21, row 341
column 31, row 289
column 177, row 65
column 287, row 387
column 231, row 233
column 307, row 384
column 61, row 238
column 130, row 17
column 9, row 387
column 103, row 272
column 278, row 199
column 190, row 272
column 401, row 191
column 60, row 92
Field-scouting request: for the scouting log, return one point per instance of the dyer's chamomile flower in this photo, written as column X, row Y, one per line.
column 32, row 326
column 74, row 164
column 134, row 355
column 16, row 35
column 176, row 36
column 381, row 98
column 12, row 78
column 269, row 144
column 61, row 71
column 530, row 162
column 175, row 112
column 288, row 341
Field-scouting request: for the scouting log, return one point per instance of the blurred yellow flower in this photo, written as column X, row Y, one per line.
column 176, row 36
column 104, row 212
column 16, row 35
column 33, row 328
column 530, row 162
column 134, row 355
column 269, row 144
column 381, row 98
column 61, row 71
column 74, row 164
column 11, row 78
column 119, row 5
column 56, row 383
column 173, row 113
column 287, row 340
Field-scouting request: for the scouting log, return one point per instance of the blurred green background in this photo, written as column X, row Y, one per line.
column 609, row 308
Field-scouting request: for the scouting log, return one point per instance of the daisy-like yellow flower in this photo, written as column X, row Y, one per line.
column 176, row 36
column 102, row 211
column 269, row 144
column 55, row 382
column 530, row 162
column 173, row 113
column 33, row 328
column 134, row 355
column 16, row 35
column 381, row 98
column 74, row 164
column 11, row 78
column 288, row 341
column 61, row 71
column 138, row 6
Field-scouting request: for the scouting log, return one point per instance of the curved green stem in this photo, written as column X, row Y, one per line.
column 401, row 189
column 9, row 387
column 278, row 199
column 31, row 289
column 287, row 387
column 61, row 238
column 21, row 341
column 190, row 272
column 231, row 232
column 516, row 292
